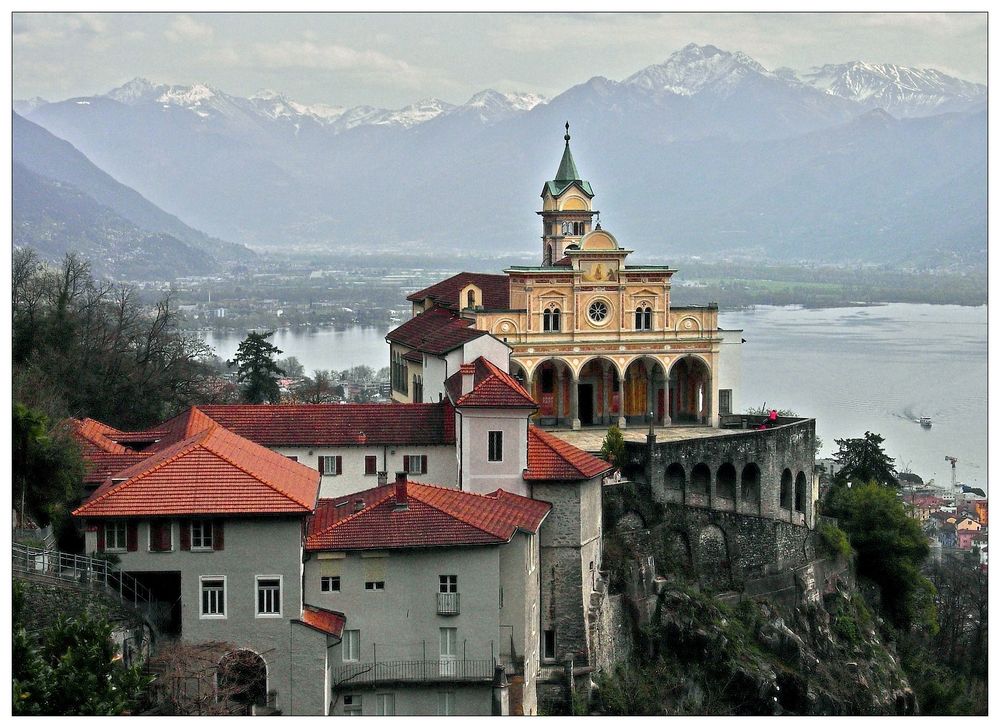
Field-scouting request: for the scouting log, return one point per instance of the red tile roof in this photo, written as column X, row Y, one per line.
column 325, row 425
column 492, row 387
column 434, row 516
column 550, row 458
column 323, row 620
column 211, row 472
column 414, row 356
column 437, row 331
column 495, row 288
column 102, row 455
column 565, row 261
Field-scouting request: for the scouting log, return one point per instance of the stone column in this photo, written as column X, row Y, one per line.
column 574, row 397
column 621, row 402
column 650, row 391
column 606, row 393
column 559, row 394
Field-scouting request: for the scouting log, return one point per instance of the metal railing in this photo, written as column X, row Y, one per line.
column 448, row 603
column 83, row 570
column 410, row 671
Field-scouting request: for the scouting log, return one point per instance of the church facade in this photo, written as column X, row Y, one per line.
column 593, row 338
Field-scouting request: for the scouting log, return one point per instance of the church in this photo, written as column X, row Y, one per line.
column 593, row 338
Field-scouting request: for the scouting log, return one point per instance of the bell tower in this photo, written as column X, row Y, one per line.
column 566, row 211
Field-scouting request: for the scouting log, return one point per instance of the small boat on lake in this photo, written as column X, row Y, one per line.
column 925, row 421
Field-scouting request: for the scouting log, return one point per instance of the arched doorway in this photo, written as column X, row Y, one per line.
column 551, row 383
column 701, row 479
column 725, row 481
column 598, row 393
column 645, row 380
column 786, row 490
column 750, row 487
column 800, row 492
column 690, row 392
column 242, row 680
column 675, row 477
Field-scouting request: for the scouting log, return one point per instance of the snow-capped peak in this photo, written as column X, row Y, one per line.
column 186, row 95
column 695, row 67
column 136, row 90
column 417, row 113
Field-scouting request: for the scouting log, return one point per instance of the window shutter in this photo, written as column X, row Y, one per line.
column 185, row 535
column 423, row 464
column 406, row 463
column 218, row 533
column 340, row 462
column 100, row 536
column 371, row 465
column 132, row 536
column 320, row 467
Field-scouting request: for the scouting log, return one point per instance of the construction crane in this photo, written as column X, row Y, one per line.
column 953, row 462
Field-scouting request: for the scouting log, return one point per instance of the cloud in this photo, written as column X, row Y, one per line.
column 42, row 29
column 185, row 29
column 309, row 54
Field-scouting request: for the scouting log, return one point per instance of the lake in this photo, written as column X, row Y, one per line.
column 876, row 368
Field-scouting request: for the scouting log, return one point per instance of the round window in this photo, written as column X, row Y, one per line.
column 597, row 312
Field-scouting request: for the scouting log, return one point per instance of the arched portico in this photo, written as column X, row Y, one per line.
column 551, row 385
column 645, row 391
column 598, row 396
column 690, row 391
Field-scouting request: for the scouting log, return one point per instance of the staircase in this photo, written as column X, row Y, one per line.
column 48, row 565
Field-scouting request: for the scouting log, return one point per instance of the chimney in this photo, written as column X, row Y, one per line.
column 401, row 490
column 468, row 377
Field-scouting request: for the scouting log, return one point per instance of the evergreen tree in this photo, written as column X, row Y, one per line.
column 47, row 466
column 613, row 447
column 862, row 459
column 256, row 368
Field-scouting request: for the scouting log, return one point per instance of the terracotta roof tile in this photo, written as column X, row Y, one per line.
column 325, row 425
column 492, row 387
column 550, row 458
column 437, row 331
column 434, row 516
column 495, row 288
column 211, row 472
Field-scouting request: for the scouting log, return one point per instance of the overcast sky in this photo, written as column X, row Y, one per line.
column 391, row 60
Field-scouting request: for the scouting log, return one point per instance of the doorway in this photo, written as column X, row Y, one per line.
column 585, row 403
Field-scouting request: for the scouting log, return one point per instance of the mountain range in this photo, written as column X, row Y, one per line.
column 708, row 153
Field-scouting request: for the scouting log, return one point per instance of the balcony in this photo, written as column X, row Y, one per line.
column 414, row 671
column 448, row 603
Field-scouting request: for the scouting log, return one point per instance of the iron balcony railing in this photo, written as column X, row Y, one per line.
column 95, row 573
column 448, row 603
column 414, row 671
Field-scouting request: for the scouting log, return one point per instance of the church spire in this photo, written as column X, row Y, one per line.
column 567, row 167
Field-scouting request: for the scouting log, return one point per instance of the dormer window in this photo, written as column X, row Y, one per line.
column 550, row 319
column 470, row 299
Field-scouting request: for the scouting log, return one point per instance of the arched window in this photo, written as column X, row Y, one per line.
column 643, row 318
column 567, row 228
column 470, row 299
column 550, row 319
column 548, row 255
column 785, row 495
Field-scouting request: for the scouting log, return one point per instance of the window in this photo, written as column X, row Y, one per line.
column 530, row 554
column 449, row 651
column 725, row 401
column 385, row 704
column 399, row 373
column 115, row 536
column 418, row 388
column 470, row 299
column 352, row 705
column 448, row 583
column 415, row 464
column 293, row 458
column 201, row 535
column 374, row 586
column 644, row 319
column 500, row 599
column 268, row 596
column 330, row 465
column 161, row 536
column 495, row 446
column 329, row 584
column 213, row 597
column 350, row 648
column 446, row 703
column 598, row 312
column 550, row 319
column 371, row 464
column 549, row 644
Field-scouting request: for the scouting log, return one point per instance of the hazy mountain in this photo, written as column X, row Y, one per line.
column 708, row 152
column 54, row 218
column 51, row 157
column 900, row 90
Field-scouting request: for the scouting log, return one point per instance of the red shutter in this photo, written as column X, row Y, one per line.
column 218, row 536
column 423, row 464
column 406, row 463
column 185, row 527
column 340, row 468
column 320, row 466
column 371, row 465
column 100, row 536
column 132, row 536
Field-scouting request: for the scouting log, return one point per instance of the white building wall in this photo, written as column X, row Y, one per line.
column 488, row 347
column 519, row 576
column 730, row 370
column 436, row 371
column 478, row 474
column 442, row 465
